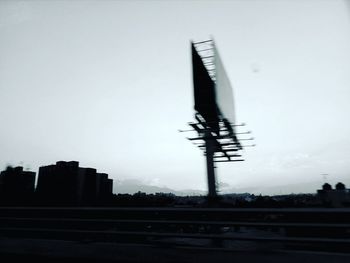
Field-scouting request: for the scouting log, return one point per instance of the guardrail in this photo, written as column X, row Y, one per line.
column 315, row 229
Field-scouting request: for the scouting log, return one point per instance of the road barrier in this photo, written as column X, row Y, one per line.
column 303, row 228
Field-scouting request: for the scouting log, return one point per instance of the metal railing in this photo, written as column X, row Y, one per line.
column 311, row 228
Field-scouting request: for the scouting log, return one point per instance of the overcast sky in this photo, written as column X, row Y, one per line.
column 109, row 83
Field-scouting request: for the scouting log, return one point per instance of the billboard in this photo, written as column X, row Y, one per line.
column 223, row 90
column 204, row 91
column 213, row 99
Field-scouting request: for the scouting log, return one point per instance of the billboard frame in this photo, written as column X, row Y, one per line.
column 216, row 132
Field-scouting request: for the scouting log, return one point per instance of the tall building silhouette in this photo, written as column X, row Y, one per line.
column 337, row 197
column 65, row 183
column 16, row 185
column 105, row 185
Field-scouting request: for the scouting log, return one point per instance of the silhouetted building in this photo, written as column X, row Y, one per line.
column 327, row 187
column 16, row 185
column 337, row 197
column 67, row 183
column 340, row 186
column 104, row 185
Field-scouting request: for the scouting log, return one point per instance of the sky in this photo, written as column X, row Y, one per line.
column 109, row 84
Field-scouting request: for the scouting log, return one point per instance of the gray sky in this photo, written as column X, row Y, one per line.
column 109, row 83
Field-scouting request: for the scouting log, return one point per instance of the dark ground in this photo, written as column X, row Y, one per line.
column 40, row 250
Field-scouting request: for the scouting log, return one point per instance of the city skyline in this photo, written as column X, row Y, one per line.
column 62, row 183
column 132, row 186
column 109, row 84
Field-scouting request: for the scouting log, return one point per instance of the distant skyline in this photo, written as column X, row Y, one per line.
column 109, row 83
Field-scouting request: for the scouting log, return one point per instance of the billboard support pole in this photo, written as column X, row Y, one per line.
column 209, row 152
